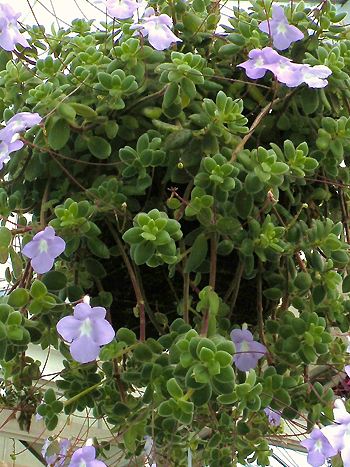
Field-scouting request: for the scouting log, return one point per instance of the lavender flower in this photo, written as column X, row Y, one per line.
column 85, row 457
column 273, row 416
column 319, row 448
column 286, row 72
column 43, row 250
column 54, row 452
column 18, row 123
column 260, row 60
column 338, row 433
column 157, row 28
column 122, row 9
column 282, row 33
column 248, row 351
column 86, row 330
column 9, row 33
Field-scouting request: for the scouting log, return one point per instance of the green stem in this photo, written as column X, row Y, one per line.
column 82, row 393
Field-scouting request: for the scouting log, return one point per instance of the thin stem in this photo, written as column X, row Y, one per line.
column 134, row 282
column 260, row 313
column 82, row 393
column 234, row 287
column 43, row 207
column 213, row 260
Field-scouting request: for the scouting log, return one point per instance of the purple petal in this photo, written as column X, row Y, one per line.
column 161, row 38
column 84, row 349
column 82, row 311
column 69, row 328
column 347, row 370
column 42, row 263
column 56, row 246
column 245, row 362
column 240, row 335
column 102, row 331
column 98, row 312
column 31, row 249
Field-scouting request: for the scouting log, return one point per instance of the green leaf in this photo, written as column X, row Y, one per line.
column 98, row 248
column 346, row 284
column 126, row 335
column 174, row 389
column 38, row 289
column 5, row 237
column 244, row 204
column 16, row 262
column 84, row 110
column 18, row 298
column 170, row 95
column 143, row 252
column 55, row 280
column 198, row 253
column 58, row 134
column 99, row 147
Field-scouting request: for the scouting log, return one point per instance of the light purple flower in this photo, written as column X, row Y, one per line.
column 43, row 250
column 86, row 330
column 282, row 33
column 85, row 457
column 260, row 60
column 319, row 448
column 18, row 123
column 294, row 74
column 54, row 452
column 338, row 434
column 248, row 351
column 286, row 72
column 273, row 416
column 157, row 28
column 9, row 33
column 122, row 9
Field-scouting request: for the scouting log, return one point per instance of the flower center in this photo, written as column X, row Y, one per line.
column 86, row 328
column 43, row 246
column 318, row 445
column 281, row 28
column 82, row 463
column 245, row 346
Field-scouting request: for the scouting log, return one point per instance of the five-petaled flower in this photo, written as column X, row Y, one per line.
column 10, row 134
column 282, row 33
column 319, row 448
column 86, row 331
column 43, row 250
column 273, row 416
column 122, row 9
column 9, row 33
column 291, row 74
column 157, row 28
column 248, row 351
column 85, row 457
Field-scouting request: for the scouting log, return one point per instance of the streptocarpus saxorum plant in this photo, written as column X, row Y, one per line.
column 194, row 182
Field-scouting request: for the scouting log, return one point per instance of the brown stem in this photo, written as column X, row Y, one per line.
column 234, row 288
column 260, row 314
column 213, row 260
column 134, row 282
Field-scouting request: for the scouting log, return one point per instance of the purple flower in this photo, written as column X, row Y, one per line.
column 260, row 60
column 54, row 452
column 43, row 250
column 294, row 74
column 9, row 33
column 122, row 9
column 282, row 33
column 86, row 330
column 18, row 123
column 157, row 28
column 273, row 416
column 338, row 433
column 319, row 448
column 248, row 352
column 286, row 72
column 85, row 457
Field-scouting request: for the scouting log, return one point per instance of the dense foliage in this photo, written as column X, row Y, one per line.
column 192, row 201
